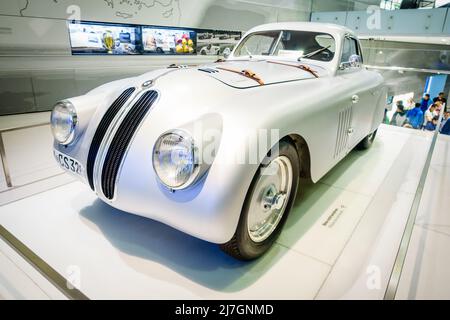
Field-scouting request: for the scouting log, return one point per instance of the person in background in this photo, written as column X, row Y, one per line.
column 431, row 125
column 429, row 114
column 410, row 104
column 399, row 117
column 439, row 106
column 445, row 119
column 386, row 118
column 446, row 128
column 415, row 117
column 426, row 100
column 440, row 98
column 400, row 104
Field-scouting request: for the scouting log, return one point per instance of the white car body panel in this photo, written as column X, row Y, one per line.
column 292, row 101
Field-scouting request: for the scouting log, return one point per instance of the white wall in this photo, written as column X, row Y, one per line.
column 38, row 27
column 36, row 65
column 230, row 14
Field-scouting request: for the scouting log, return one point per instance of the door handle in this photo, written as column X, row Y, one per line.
column 355, row 99
column 350, row 131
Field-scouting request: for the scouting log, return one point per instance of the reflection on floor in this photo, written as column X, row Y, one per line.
column 339, row 241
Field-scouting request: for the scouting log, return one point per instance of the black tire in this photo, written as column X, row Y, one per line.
column 367, row 142
column 241, row 246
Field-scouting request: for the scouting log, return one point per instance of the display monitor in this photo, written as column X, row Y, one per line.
column 217, row 42
column 104, row 38
column 158, row 40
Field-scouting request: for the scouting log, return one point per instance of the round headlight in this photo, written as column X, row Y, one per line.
column 63, row 122
column 175, row 160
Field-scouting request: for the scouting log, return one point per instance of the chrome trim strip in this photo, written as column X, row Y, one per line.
column 41, row 266
column 132, row 139
column 109, row 135
column 103, row 151
column 107, row 140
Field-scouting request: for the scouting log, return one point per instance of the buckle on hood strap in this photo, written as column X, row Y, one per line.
column 246, row 73
column 299, row 66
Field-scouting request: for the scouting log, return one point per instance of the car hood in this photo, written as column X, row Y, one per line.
column 269, row 72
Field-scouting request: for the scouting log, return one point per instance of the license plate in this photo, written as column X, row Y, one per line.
column 69, row 163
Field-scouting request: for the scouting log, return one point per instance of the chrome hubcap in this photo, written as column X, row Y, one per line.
column 269, row 199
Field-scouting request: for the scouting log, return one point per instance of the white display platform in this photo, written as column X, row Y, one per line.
column 342, row 234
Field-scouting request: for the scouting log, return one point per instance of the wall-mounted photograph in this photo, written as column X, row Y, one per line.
column 217, row 43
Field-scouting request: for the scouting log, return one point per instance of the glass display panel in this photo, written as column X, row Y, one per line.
column 103, row 38
column 169, row 41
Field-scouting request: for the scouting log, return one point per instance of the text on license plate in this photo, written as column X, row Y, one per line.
column 69, row 163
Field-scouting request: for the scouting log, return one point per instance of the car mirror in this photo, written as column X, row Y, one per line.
column 355, row 61
column 344, row 66
column 226, row 53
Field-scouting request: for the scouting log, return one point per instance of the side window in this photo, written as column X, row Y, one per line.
column 350, row 49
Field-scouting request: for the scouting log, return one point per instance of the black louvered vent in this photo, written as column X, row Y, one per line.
column 122, row 139
column 101, row 131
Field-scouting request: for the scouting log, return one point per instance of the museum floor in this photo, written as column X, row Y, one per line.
column 343, row 232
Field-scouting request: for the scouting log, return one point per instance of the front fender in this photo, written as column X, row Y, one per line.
column 209, row 210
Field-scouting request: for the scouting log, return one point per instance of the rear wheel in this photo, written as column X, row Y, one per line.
column 367, row 142
column 268, row 202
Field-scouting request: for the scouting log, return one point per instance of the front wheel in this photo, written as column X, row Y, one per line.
column 367, row 142
column 268, row 202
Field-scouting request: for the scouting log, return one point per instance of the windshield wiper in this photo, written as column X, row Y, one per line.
column 312, row 54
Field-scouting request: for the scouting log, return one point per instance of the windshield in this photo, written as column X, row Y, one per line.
column 292, row 44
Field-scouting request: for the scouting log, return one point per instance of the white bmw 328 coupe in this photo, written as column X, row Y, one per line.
column 217, row 151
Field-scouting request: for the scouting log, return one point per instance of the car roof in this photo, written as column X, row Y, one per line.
column 333, row 29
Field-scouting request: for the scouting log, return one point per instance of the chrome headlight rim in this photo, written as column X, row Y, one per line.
column 73, row 112
column 195, row 174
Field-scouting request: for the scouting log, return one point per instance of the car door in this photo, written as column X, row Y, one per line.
column 357, row 100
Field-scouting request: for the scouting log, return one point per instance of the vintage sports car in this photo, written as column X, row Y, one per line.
column 178, row 145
